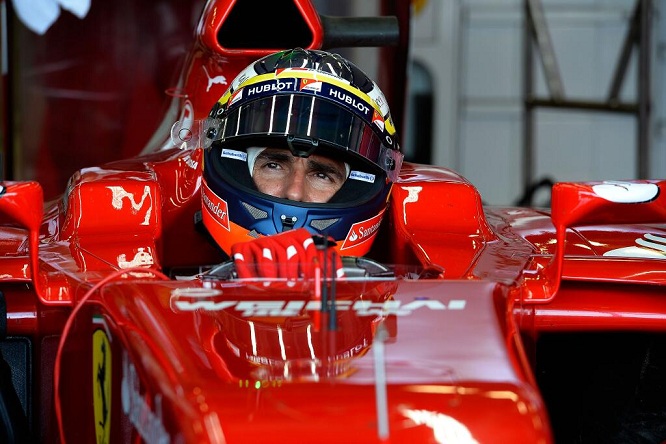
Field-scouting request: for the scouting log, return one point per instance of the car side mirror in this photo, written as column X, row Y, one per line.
column 22, row 205
column 607, row 202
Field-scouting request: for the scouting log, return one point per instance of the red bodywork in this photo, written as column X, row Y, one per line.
column 443, row 353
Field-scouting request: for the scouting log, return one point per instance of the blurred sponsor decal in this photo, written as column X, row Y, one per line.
column 141, row 258
column 119, row 195
column 649, row 246
column 207, row 300
column 143, row 412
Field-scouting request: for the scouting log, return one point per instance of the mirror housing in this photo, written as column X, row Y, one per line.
column 605, row 202
column 22, row 205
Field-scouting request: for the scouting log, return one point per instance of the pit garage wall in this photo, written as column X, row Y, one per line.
column 81, row 91
column 469, row 54
column 467, row 63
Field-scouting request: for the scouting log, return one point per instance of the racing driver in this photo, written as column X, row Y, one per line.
column 301, row 153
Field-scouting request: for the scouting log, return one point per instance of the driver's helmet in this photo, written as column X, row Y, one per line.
column 305, row 101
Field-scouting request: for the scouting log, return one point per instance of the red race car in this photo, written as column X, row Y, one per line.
column 463, row 324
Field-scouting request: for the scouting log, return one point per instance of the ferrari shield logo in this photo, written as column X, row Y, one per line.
column 101, row 377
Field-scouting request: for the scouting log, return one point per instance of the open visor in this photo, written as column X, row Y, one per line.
column 309, row 118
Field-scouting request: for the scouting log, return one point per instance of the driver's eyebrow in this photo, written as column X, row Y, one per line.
column 326, row 168
column 275, row 156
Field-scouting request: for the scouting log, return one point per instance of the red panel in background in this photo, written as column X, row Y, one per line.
column 92, row 90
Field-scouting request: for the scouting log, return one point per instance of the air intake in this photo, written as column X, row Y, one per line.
column 255, row 212
column 322, row 224
column 276, row 24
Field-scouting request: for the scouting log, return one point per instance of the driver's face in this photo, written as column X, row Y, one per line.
column 313, row 179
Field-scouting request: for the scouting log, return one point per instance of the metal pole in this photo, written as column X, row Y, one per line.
column 644, row 101
column 528, row 111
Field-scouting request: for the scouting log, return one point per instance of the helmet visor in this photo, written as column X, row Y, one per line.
column 311, row 118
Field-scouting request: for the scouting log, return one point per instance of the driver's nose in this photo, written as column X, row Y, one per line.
column 295, row 186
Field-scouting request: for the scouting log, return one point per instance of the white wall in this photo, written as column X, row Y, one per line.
column 474, row 51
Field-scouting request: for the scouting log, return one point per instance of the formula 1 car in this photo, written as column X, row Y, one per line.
column 466, row 323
